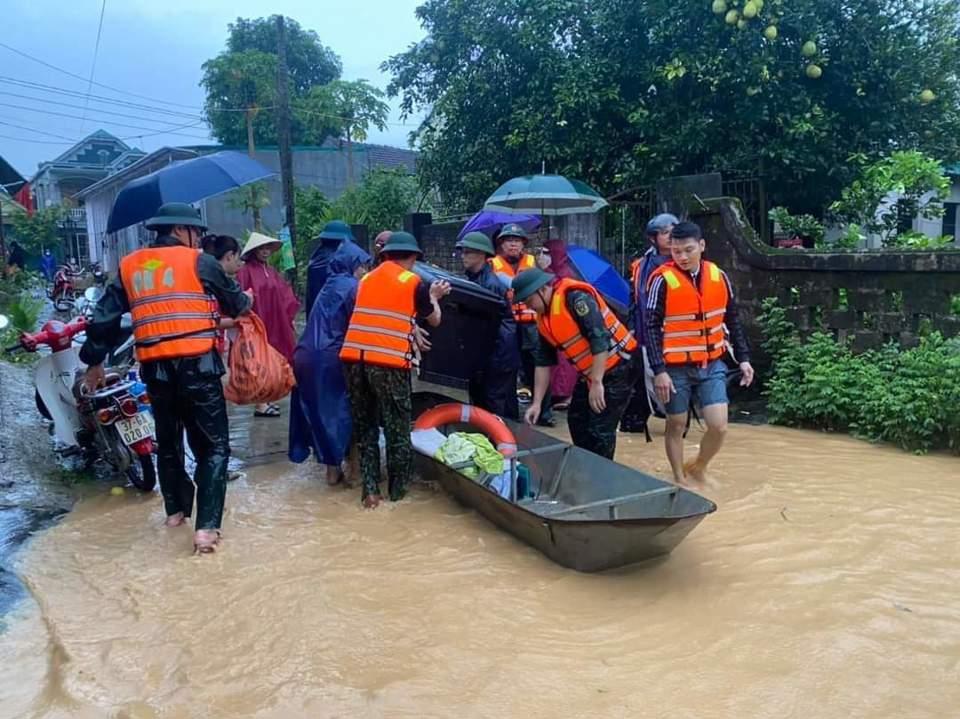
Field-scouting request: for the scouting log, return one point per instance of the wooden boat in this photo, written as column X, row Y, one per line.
column 586, row 512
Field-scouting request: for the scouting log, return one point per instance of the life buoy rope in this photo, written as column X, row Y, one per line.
column 488, row 423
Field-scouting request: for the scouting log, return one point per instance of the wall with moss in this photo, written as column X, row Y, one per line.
column 869, row 297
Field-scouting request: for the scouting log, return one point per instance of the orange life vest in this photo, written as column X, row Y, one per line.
column 173, row 316
column 561, row 330
column 693, row 329
column 381, row 326
column 506, row 272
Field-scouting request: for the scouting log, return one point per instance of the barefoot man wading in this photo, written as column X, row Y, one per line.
column 691, row 314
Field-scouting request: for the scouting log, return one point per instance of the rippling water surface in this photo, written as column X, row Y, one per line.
column 825, row 586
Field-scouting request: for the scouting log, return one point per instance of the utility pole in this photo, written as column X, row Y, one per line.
column 283, row 130
column 3, row 240
column 249, row 114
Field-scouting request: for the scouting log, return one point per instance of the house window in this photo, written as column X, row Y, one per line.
column 950, row 219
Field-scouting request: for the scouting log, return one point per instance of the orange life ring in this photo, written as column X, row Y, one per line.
column 488, row 423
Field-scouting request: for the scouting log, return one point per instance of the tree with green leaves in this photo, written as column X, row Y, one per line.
column 38, row 231
column 903, row 185
column 380, row 201
column 241, row 81
column 346, row 108
column 621, row 93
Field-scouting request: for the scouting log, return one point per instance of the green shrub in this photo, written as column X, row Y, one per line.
column 910, row 398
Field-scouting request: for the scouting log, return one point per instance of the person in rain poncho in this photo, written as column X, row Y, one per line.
column 276, row 303
column 48, row 265
column 333, row 235
column 320, row 406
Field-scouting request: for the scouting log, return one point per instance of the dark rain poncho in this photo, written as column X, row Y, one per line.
column 319, row 406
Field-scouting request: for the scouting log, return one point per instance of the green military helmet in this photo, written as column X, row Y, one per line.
column 526, row 283
column 176, row 213
column 402, row 242
column 512, row 230
column 337, row 231
column 477, row 241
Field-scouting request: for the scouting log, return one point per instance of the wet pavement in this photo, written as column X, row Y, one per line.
column 34, row 488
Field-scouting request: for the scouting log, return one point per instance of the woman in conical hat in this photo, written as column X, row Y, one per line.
column 276, row 304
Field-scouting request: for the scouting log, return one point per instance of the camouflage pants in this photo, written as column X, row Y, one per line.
column 379, row 393
column 597, row 433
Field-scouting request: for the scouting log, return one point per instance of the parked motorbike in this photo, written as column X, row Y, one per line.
column 113, row 423
column 63, row 293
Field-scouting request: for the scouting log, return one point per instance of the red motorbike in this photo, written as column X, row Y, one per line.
column 63, row 293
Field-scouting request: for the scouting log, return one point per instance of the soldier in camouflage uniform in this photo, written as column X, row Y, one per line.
column 603, row 391
column 376, row 392
column 378, row 353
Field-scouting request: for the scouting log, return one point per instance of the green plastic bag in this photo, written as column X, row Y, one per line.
column 287, row 260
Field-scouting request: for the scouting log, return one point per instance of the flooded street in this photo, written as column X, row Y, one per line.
column 824, row 586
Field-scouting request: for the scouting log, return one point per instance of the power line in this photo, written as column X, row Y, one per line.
column 93, row 65
column 39, row 132
column 53, row 90
column 37, row 142
column 58, row 103
column 79, row 77
column 158, row 131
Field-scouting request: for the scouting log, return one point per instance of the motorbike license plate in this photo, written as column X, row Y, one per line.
column 136, row 428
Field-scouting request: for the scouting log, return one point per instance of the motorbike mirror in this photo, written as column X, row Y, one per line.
column 4, row 322
column 93, row 294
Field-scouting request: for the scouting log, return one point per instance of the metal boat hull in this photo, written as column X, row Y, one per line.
column 589, row 514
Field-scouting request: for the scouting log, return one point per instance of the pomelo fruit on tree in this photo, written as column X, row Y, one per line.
column 814, row 71
column 927, row 96
column 771, row 32
column 750, row 10
column 719, row 7
column 732, row 17
column 809, row 48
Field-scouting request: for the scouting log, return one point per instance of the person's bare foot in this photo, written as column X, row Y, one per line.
column 334, row 475
column 372, row 501
column 206, row 541
column 697, row 473
column 175, row 520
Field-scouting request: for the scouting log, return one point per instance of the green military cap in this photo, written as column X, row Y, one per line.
column 477, row 241
column 402, row 242
column 513, row 230
column 176, row 213
column 526, row 283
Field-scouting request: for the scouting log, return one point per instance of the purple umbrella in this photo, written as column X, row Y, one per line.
column 489, row 223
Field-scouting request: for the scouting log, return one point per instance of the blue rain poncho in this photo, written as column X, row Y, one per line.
column 319, row 407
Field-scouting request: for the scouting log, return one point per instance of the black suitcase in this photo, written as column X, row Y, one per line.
column 465, row 339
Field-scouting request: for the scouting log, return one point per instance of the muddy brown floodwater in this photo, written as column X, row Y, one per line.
column 825, row 586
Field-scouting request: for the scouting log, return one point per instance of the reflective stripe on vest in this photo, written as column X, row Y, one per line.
column 172, row 314
column 505, row 271
column 561, row 330
column 381, row 326
column 693, row 329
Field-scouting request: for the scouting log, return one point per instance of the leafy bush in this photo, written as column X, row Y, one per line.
column 798, row 225
column 23, row 311
column 906, row 397
column 915, row 181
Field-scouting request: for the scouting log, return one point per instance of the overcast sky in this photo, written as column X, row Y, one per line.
column 155, row 48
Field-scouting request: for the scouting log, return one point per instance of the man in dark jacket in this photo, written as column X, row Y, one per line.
column 658, row 253
column 185, row 389
column 495, row 387
column 334, row 233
